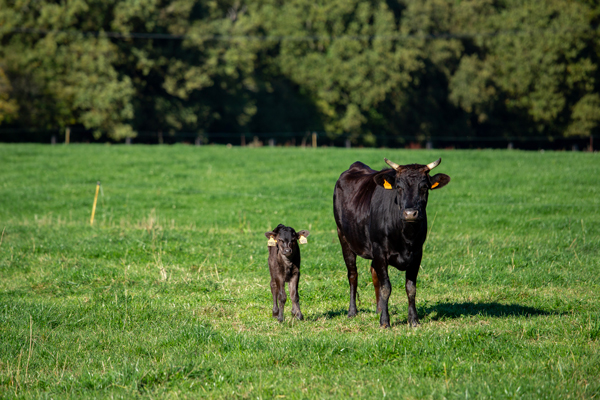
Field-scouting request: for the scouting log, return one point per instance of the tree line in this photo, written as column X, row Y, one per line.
column 362, row 70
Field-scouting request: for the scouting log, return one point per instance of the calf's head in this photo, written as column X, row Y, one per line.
column 286, row 238
column 412, row 184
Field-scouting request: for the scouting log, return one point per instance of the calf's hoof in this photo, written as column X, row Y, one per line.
column 414, row 323
column 299, row 316
column 384, row 326
column 352, row 313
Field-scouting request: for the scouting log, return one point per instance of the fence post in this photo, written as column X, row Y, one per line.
column 68, row 135
column 314, row 140
column 95, row 201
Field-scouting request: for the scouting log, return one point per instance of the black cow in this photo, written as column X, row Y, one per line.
column 380, row 216
column 284, row 265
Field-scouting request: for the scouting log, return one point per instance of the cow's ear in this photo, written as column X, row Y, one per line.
column 303, row 233
column 439, row 181
column 386, row 179
column 269, row 234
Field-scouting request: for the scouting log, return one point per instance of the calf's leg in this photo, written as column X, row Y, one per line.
column 293, row 287
column 281, row 298
column 274, row 291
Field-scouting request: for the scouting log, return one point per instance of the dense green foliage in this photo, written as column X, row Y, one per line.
column 167, row 295
column 393, row 69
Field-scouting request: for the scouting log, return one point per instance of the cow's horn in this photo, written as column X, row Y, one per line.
column 434, row 164
column 391, row 164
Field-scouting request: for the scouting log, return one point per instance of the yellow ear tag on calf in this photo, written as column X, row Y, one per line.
column 302, row 240
column 271, row 242
column 435, row 185
column 386, row 184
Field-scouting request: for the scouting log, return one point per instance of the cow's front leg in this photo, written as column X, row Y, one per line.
column 293, row 286
column 411, row 292
column 385, row 290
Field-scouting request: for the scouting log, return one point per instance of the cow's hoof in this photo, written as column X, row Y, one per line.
column 352, row 314
column 413, row 324
column 384, row 326
column 299, row 316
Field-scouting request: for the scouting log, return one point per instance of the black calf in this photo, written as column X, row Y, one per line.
column 284, row 266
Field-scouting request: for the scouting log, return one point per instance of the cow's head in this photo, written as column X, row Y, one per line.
column 412, row 183
column 286, row 237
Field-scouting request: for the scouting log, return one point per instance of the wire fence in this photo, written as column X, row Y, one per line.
column 305, row 139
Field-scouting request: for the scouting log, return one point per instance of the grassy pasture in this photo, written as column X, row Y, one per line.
column 167, row 295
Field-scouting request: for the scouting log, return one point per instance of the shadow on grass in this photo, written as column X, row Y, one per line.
column 343, row 312
column 457, row 310
column 443, row 311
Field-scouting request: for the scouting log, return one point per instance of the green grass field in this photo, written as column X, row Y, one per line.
column 167, row 295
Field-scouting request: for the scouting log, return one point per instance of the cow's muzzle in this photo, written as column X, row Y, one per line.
column 410, row 215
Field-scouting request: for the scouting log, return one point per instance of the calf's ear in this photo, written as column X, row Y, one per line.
column 303, row 233
column 386, row 179
column 269, row 234
column 439, row 181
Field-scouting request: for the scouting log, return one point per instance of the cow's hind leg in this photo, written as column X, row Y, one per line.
column 411, row 292
column 376, row 286
column 385, row 290
column 350, row 259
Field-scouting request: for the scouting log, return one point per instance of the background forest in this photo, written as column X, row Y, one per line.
column 372, row 72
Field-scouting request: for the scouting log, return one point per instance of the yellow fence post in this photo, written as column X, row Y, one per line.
column 95, row 200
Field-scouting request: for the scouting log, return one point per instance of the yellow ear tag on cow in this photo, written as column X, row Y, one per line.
column 302, row 240
column 435, row 185
column 271, row 242
column 386, row 184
